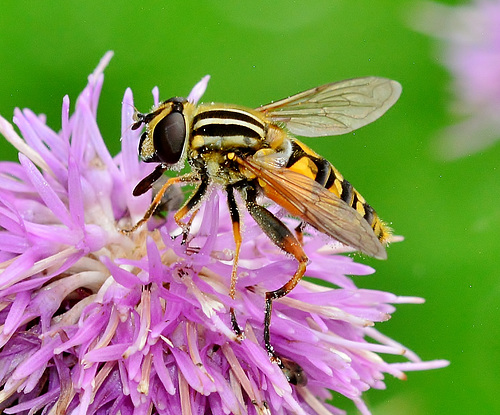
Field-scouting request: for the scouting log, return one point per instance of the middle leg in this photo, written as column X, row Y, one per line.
column 235, row 219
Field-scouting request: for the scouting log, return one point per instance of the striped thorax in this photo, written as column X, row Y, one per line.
column 217, row 127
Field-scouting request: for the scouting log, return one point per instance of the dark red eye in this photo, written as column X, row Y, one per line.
column 169, row 136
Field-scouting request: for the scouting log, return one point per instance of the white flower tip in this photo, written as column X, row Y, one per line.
column 409, row 300
column 198, row 90
column 128, row 96
column 128, row 100
column 5, row 126
column 156, row 96
column 103, row 63
column 395, row 238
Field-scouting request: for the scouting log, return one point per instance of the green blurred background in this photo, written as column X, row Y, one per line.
column 448, row 212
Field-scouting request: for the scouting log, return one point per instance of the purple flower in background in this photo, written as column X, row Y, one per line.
column 470, row 46
column 93, row 321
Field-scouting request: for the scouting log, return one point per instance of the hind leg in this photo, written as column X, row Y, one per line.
column 282, row 237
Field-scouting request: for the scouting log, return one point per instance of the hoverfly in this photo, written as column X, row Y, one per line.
column 253, row 152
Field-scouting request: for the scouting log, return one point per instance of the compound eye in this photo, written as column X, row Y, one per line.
column 169, row 136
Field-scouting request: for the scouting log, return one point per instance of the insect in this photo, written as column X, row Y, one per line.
column 253, row 152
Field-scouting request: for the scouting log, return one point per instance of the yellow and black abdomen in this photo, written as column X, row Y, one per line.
column 305, row 161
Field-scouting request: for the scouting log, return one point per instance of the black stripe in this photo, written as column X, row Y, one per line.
column 331, row 179
column 346, row 192
column 355, row 200
column 369, row 213
column 324, row 169
column 297, row 154
column 226, row 130
column 228, row 114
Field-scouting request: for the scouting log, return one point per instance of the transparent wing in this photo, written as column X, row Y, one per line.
column 311, row 202
column 335, row 108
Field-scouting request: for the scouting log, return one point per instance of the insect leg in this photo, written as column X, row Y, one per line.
column 145, row 184
column 282, row 237
column 184, row 179
column 193, row 201
column 235, row 218
column 299, row 232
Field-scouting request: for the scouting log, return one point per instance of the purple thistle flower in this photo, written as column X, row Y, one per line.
column 93, row 321
column 470, row 46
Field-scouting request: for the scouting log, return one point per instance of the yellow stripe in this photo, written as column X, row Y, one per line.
column 228, row 121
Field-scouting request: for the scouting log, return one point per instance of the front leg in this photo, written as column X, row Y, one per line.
column 188, row 178
column 191, row 205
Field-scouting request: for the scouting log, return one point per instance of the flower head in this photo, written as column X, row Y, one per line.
column 93, row 321
column 470, row 42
